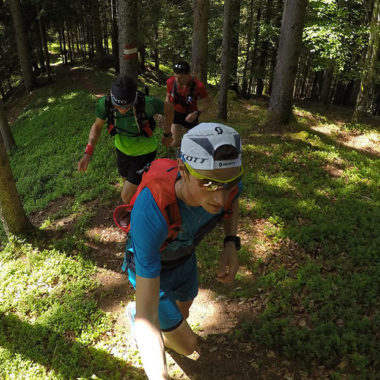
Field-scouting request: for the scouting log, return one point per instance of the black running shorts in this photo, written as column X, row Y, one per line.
column 129, row 165
column 179, row 118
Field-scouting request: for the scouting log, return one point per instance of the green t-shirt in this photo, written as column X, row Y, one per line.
column 132, row 146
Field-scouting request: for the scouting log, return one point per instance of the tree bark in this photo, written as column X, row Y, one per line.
column 22, row 44
column 99, row 52
column 12, row 214
column 156, row 53
column 5, row 129
column 234, row 53
column 225, row 61
column 115, row 33
column 326, row 85
column 280, row 105
column 254, row 50
column 199, row 42
column 244, row 88
column 127, row 23
column 369, row 72
column 42, row 30
column 263, row 55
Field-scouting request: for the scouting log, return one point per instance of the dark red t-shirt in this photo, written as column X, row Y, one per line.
column 199, row 91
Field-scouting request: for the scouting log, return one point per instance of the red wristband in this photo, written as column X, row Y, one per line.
column 89, row 149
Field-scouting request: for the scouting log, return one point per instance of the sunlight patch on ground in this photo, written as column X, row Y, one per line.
column 367, row 142
column 254, row 236
column 106, row 234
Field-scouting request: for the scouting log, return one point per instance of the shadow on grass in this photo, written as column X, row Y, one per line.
column 64, row 356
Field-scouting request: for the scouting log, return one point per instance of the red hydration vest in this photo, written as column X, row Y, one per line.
column 160, row 179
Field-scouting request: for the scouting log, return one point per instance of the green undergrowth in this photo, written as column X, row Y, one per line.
column 50, row 324
column 325, row 198
column 51, row 135
column 319, row 300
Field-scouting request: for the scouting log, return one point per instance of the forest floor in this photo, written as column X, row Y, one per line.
column 213, row 316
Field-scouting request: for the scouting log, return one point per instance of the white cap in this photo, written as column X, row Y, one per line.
column 200, row 143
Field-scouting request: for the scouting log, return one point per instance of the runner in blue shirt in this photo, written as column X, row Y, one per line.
column 166, row 282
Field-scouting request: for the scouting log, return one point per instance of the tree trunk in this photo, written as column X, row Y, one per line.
column 115, row 33
column 44, row 42
column 142, row 50
column 316, row 88
column 244, row 88
column 5, row 129
column 99, row 52
column 156, row 52
column 352, row 93
column 326, row 85
column 70, row 43
column 278, row 11
column 234, row 53
column 224, row 71
column 12, row 213
column 200, row 39
column 254, row 50
column 263, row 54
column 369, row 72
column 127, row 23
column 22, row 44
column 280, row 105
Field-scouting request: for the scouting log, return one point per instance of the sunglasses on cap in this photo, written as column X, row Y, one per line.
column 212, row 184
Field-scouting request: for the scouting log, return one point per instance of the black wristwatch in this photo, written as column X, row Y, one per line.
column 169, row 134
column 235, row 239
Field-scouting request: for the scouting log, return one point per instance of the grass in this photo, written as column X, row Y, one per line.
column 310, row 217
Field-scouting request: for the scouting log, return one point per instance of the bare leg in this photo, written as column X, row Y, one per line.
column 184, row 308
column 181, row 340
column 178, row 131
column 128, row 191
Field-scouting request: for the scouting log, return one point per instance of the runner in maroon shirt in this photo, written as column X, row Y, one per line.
column 184, row 90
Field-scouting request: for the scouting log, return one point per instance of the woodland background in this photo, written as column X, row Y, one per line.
column 300, row 81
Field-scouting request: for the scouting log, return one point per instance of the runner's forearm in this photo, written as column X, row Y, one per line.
column 94, row 134
column 230, row 225
column 204, row 104
column 151, row 348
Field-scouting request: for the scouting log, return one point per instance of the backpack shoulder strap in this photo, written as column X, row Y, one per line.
column 174, row 91
column 163, row 191
column 140, row 103
column 192, row 86
column 160, row 180
column 109, row 110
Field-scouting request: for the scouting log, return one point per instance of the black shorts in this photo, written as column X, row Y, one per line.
column 179, row 118
column 129, row 165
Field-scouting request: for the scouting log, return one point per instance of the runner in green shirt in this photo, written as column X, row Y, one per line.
column 135, row 146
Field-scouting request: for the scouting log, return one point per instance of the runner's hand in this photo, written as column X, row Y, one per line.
column 229, row 264
column 191, row 117
column 83, row 163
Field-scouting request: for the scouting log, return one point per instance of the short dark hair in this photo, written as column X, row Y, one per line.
column 226, row 152
column 181, row 67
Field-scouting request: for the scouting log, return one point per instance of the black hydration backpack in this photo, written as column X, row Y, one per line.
column 182, row 100
column 146, row 125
